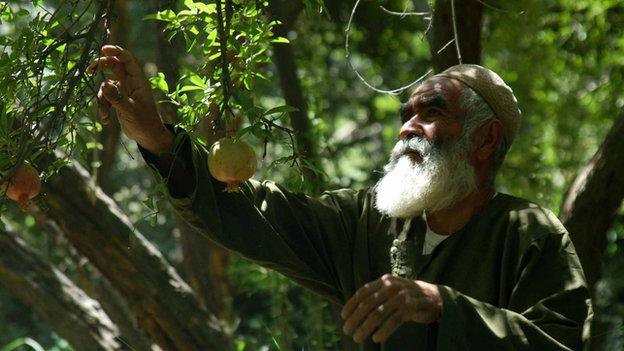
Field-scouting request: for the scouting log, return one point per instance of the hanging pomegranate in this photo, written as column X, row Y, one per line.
column 231, row 161
column 24, row 185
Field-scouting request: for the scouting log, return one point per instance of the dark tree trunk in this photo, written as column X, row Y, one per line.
column 62, row 305
column 589, row 210
column 469, row 17
column 593, row 200
column 204, row 263
column 161, row 301
column 286, row 65
column 91, row 281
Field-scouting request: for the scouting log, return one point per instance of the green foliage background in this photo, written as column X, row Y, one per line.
column 563, row 58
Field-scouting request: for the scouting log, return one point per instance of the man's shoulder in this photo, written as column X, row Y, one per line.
column 531, row 220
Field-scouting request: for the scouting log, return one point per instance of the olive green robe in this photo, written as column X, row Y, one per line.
column 510, row 279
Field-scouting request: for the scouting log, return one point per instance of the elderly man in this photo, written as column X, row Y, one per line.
column 431, row 258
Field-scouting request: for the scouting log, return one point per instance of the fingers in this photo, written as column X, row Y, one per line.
column 115, row 96
column 361, row 294
column 370, row 305
column 109, row 62
column 131, row 65
column 103, row 106
column 389, row 326
column 375, row 318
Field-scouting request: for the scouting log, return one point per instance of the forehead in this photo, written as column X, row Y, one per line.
column 449, row 88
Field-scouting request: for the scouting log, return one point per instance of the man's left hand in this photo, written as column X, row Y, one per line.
column 388, row 302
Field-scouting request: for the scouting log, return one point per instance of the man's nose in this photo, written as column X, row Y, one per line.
column 410, row 129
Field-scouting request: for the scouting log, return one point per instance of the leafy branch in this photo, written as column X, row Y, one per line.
column 43, row 82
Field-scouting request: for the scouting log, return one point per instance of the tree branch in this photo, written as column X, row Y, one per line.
column 469, row 16
column 161, row 301
column 91, row 281
column 53, row 297
column 592, row 202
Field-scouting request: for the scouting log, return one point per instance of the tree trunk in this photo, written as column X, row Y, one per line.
column 469, row 16
column 205, row 264
column 284, row 59
column 54, row 297
column 91, row 281
column 160, row 300
column 590, row 208
column 593, row 200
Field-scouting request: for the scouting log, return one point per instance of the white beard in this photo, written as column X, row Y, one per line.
column 441, row 179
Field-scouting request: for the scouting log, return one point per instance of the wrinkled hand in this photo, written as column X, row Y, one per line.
column 130, row 94
column 383, row 305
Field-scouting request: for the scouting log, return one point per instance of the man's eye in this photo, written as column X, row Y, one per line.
column 434, row 111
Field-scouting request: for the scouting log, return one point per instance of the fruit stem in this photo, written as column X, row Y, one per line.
column 23, row 202
column 232, row 187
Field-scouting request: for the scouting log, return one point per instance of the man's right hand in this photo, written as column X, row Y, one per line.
column 130, row 94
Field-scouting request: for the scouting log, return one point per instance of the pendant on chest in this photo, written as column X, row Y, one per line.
column 405, row 256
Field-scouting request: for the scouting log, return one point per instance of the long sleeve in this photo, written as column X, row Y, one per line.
column 308, row 239
column 549, row 308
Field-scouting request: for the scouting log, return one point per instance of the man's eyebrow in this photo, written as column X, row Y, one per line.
column 435, row 100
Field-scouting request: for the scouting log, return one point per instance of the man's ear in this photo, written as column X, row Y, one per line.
column 486, row 139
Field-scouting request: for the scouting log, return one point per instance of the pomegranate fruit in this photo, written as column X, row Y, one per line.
column 24, row 185
column 231, row 161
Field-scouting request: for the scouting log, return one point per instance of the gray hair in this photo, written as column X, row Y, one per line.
column 477, row 113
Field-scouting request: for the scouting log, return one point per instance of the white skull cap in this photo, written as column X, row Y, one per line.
column 491, row 87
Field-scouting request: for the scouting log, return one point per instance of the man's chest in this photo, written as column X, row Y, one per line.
column 475, row 267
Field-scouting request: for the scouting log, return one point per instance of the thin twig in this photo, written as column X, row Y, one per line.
column 225, row 74
column 73, row 78
column 454, row 19
column 445, row 46
column 403, row 14
column 501, row 10
column 357, row 73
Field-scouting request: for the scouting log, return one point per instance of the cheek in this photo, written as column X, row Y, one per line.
column 442, row 132
column 433, row 131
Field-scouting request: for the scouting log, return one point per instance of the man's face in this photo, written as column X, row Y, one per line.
column 433, row 111
column 429, row 167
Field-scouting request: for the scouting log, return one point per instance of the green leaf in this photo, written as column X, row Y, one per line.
column 189, row 88
column 20, row 342
column 280, row 109
column 280, row 40
column 22, row 12
column 166, row 15
column 198, row 81
column 159, row 82
column 255, row 129
column 206, row 8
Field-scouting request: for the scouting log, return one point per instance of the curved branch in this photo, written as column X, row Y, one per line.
column 593, row 200
column 162, row 302
column 62, row 305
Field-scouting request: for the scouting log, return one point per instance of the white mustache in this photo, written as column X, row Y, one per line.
column 422, row 146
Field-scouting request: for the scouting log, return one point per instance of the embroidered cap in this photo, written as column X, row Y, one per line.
column 491, row 87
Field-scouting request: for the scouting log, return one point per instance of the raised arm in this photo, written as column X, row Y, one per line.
column 308, row 239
